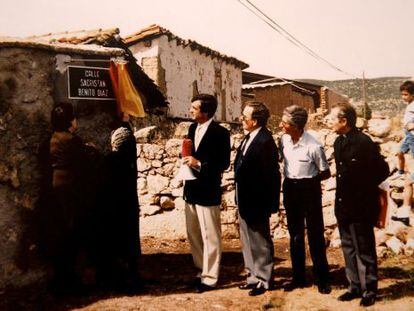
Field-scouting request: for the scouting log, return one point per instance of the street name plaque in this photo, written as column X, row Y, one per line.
column 90, row 83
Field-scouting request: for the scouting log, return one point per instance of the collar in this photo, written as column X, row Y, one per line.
column 300, row 142
column 205, row 124
column 254, row 133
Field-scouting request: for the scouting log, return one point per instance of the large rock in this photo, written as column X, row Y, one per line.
column 157, row 183
column 177, row 192
column 153, row 151
column 328, row 198
column 381, row 237
column 395, row 245
column 229, row 231
column 229, row 216
column 146, row 134
column 168, row 225
column 329, row 216
column 167, row 203
column 179, row 204
column 274, row 221
column 379, row 127
column 143, row 165
column 149, row 210
column 229, row 199
column 181, row 131
column 409, row 247
column 173, row 147
column 329, row 184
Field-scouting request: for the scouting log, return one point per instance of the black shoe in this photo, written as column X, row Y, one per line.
column 404, row 220
column 368, row 299
column 201, row 288
column 258, row 290
column 194, row 283
column 247, row 286
column 348, row 296
column 324, row 288
column 294, row 285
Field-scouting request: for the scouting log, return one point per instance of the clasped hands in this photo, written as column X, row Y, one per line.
column 191, row 162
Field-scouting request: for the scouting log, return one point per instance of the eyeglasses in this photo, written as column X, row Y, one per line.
column 244, row 118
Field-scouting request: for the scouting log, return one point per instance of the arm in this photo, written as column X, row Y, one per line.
column 322, row 163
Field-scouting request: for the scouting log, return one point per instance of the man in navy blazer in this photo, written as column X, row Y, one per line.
column 257, row 179
column 210, row 157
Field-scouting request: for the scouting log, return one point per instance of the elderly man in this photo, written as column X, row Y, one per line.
column 210, row 157
column 257, row 178
column 360, row 169
column 305, row 166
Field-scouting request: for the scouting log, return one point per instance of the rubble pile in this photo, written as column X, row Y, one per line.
column 162, row 205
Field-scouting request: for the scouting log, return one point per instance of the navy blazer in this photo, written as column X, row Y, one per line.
column 258, row 177
column 214, row 154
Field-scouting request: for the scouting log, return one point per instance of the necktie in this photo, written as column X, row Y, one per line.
column 197, row 137
column 244, row 143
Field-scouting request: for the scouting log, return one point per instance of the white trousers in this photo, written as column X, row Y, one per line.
column 204, row 234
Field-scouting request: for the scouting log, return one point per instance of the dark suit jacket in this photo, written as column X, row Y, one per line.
column 258, row 178
column 214, row 155
column 360, row 169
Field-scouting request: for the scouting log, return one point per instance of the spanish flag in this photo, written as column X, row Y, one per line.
column 129, row 100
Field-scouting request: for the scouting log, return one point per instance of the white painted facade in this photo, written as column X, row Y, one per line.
column 178, row 66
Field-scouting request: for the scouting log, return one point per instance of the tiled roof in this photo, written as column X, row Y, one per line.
column 263, row 85
column 95, row 36
column 155, row 31
column 87, row 49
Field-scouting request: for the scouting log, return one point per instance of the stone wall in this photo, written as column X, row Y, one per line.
column 162, row 206
column 25, row 104
column 29, row 88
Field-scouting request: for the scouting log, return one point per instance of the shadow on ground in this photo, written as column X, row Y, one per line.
column 170, row 273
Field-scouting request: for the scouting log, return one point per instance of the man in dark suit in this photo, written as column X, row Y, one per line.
column 360, row 169
column 210, row 157
column 257, row 178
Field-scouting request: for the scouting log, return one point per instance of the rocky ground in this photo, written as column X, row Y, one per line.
column 167, row 268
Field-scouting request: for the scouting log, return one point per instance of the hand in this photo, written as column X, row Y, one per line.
column 409, row 126
column 191, row 162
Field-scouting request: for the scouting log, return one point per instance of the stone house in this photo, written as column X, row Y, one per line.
column 33, row 77
column 182, row 68
column 280, row 93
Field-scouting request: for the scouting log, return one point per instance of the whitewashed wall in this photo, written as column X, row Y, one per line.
column 180, row 66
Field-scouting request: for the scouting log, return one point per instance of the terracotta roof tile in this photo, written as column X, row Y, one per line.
column 96, row 36
column 155, row 31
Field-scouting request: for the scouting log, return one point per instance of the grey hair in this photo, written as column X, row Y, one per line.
column 119, row 136
column 297, row 115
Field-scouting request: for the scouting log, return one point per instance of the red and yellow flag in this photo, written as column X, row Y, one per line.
column 129, row 100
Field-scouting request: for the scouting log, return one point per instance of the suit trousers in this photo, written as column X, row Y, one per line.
column 257, row 248
column 302, row 201
column 358, row 246
column 204, row 235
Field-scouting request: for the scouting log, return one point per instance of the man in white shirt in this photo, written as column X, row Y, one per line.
column 210, row 157
column 305, row 165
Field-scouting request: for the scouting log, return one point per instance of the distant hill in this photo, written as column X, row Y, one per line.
column 383, row 94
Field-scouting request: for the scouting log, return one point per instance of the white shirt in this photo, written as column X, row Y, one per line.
column 249, row 141
column 201, row 129
column 408, row 114
column 305, row 159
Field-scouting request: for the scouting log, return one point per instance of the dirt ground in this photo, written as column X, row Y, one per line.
column 167, row 269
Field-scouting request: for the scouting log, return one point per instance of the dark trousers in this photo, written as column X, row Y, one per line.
column 358, row 245
column 302, row 201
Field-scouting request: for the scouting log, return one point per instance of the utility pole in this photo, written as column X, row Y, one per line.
column 364, row 98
